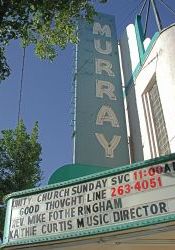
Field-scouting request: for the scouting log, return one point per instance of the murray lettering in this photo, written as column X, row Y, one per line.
column 104, row 69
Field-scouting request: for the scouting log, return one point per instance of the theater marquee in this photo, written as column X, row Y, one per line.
column 114, row 200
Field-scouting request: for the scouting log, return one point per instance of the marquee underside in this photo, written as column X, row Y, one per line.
column 144, row 238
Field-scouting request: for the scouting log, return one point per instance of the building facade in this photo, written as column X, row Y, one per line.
column 78, row 211
column 149, row 79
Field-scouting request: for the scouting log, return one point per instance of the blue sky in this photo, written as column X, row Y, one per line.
column 47, row 89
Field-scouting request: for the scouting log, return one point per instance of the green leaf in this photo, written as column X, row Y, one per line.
column 19, row 161
column 48, row 25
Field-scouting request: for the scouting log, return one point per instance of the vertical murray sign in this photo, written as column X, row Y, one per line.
column 100, row 126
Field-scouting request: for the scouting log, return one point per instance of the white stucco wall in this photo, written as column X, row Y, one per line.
column 129, row 51
column 130, row 59
column 161, row 63
column 146, row 43
column 166, row 80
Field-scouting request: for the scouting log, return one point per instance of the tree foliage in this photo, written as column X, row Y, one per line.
column 47, row 24
column 19, row 161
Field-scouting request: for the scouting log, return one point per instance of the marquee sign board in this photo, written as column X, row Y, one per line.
column 113, row 200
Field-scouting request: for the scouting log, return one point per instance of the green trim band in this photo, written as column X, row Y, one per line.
column 140, row 64
column 7, row 221
column 143, row 55
column 140, row 36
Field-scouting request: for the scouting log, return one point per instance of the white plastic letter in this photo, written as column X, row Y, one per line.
column 104, row 87
column 104, row 65
column 105, row 30
column 108, row 47
column 106, row 114
column 109, row 147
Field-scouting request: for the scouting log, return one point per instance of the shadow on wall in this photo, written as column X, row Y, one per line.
column 135, row 141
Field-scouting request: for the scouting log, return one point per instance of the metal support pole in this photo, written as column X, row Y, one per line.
column 142, row 8
column 156, row 14
column 147, row 17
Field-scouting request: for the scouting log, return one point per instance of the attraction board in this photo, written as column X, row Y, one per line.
column 141, row 194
